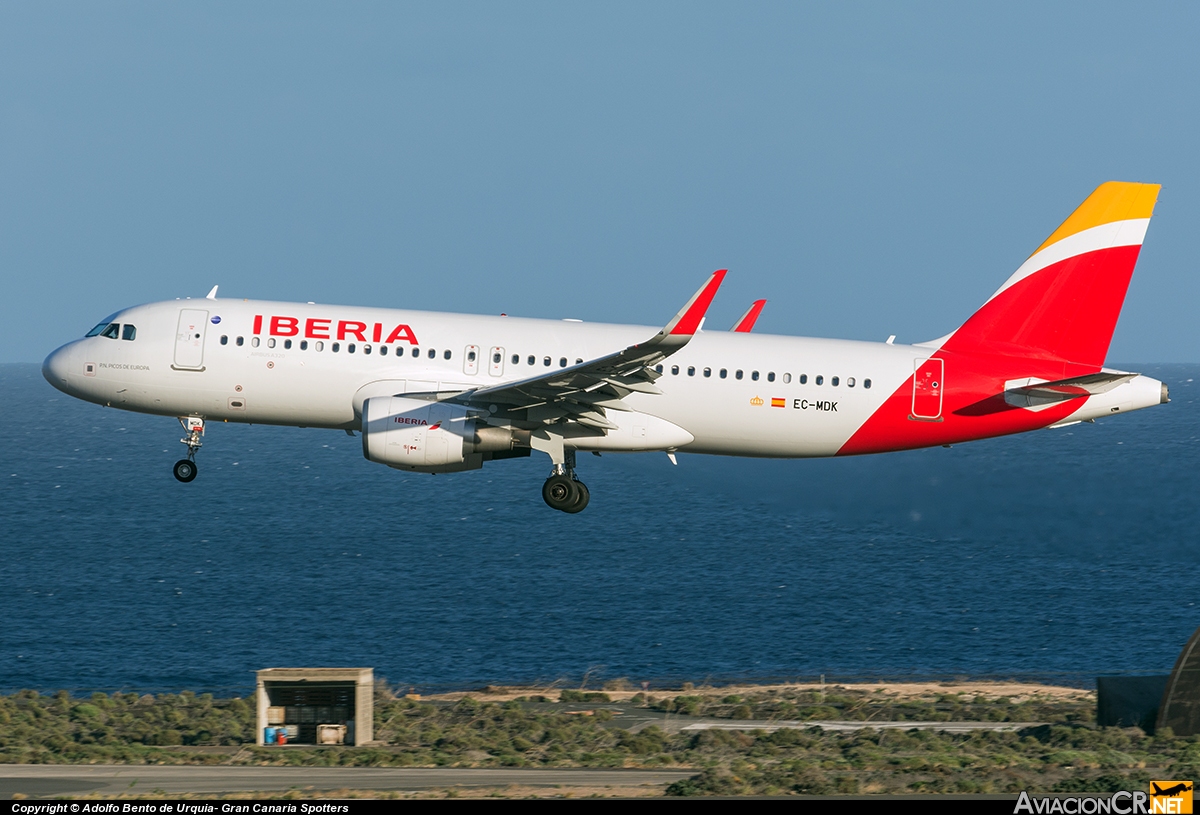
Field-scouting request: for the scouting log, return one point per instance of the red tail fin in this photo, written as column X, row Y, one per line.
column 1064, row 301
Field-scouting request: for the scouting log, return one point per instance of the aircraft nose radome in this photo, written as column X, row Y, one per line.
column 56, row 367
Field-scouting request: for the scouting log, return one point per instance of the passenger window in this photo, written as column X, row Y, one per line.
column 578, row 360
column 771, row 376
column 516, row 359
column 320, row 346
column 532, row 360
column 658, row 368
column 708, row 372
column 349, row 348
column 803, row 379
column 304, row 345
column 111, row 331
column 820, row 380
column 834, row 382
column 335, row 347
column 471, row 356
column 674, row 370
column 446, row 355
column 366, row 348
column 416, row 353
column 271, row 342
column 287, row 343
column 128, row 332
column 432, row 354
column 849, row 382
column 239, row 341
column 562, row 362
column 224, row 340
column 691, row 370
column 754, row 375
column 787, row 378
column 737, row 374
column 496, row 357
column 254, row 342
column 724, row 373
column 546, row 361
column 382, row 350
column 866, row 383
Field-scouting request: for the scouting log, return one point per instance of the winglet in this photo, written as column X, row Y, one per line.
column 212, row 295
column 746, row 323
column 687, row 321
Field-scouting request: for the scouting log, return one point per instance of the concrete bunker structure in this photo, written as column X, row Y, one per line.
column 316, row 705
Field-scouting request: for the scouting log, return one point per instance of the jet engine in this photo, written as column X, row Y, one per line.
column 430, row 437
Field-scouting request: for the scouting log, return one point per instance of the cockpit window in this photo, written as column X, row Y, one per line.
column 111, row 331
column 129, row 332
column 103, row 324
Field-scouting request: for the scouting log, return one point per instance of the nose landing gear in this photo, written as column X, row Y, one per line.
column 185, row 468
column 564, row 492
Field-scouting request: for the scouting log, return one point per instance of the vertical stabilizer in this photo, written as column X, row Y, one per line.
column 1063, row 303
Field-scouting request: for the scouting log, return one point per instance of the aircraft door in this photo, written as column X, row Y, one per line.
column 927, row 389
column 471, row 360
column 189, row 339
column 496, row 361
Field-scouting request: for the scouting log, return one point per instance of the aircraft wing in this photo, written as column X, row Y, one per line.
column 745, row 323
column 583, row 392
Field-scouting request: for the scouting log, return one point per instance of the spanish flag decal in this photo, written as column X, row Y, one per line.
column 776, row 402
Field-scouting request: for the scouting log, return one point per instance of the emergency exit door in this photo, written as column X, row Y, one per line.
column 927, row 388
column 496, row 362
column 189, row 339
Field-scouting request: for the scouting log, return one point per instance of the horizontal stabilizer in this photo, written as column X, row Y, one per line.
column 1032, row 393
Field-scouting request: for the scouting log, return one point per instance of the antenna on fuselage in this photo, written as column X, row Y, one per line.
column 212, row 295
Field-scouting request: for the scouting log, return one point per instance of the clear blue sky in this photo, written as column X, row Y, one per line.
column 871, row 169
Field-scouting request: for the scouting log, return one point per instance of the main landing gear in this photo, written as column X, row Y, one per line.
column 185, row 468
column 564, row 492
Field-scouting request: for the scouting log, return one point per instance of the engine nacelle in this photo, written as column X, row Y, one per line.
column 428, row 437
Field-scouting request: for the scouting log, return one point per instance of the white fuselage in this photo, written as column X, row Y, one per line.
column 312, row 365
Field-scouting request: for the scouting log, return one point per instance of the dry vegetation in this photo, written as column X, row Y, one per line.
column 542, row 728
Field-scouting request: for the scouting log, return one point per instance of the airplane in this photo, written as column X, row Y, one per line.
column 1171, row 791
column 440, row 393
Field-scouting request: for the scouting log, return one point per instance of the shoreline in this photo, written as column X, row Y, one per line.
column 1015, row 692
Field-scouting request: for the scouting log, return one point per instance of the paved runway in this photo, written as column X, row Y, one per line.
column 46, row 780
column 850, row 726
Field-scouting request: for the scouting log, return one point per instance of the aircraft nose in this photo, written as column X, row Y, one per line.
column 57, row 366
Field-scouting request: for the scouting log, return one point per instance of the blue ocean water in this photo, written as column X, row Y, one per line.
column 1063, row 553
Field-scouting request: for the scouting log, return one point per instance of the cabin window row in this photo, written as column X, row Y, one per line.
column 366, row 348
column 515, row 359
column 335, row 347
column 786, row 378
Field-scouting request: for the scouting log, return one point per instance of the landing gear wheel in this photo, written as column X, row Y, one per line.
column 559, row 492
column 582, row 496
column 185, row 470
